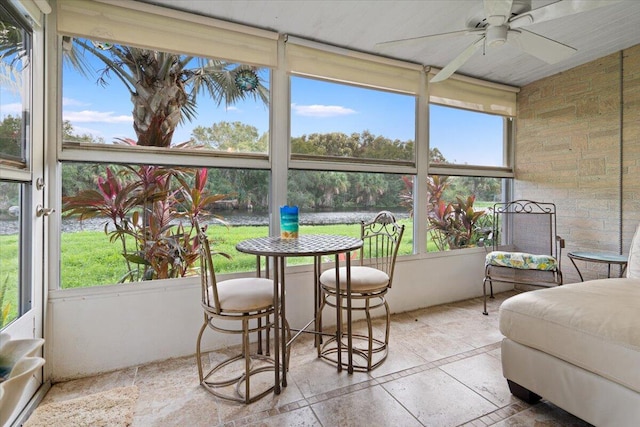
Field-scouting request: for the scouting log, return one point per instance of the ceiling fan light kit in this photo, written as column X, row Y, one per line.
column 497, row 26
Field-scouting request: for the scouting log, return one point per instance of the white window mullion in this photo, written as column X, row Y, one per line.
column 420, row 194
column 280, row 141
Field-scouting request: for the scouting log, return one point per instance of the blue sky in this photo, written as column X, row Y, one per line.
column 316, row 107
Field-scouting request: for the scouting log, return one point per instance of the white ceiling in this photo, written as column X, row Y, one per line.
column 360, row 24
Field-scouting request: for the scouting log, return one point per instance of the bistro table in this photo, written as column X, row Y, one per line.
column 315, row 245
column 599, row 257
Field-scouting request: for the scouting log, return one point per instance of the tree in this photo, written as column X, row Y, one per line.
column 435, row 156
column 235, row 136
column 379, row 147
column 316, row 189
column 77, row 177
column 164, row 87
column 335, row 144
column 11, row 136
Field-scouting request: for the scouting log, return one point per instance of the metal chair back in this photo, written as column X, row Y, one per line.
column 526, row 226
column 381, row 240
column 210, row 300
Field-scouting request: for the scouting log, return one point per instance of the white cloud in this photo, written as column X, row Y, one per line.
column 89, row 116
column 321, row 110
column 70, row 102
column 79, row 130
column 13, row 108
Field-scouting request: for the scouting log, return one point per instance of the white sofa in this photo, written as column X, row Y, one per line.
column 578, row 346
column 18, row 363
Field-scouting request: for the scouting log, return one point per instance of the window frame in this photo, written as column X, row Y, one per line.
column 279, row 160
column 97, row 153
column 20, row 171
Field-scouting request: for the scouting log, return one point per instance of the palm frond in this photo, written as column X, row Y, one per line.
column 12, row 45
column 75, row 57
column 127, row 79
column 10, row 78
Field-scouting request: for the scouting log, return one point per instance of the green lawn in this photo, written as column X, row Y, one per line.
column 8, row 278
column 89, row 259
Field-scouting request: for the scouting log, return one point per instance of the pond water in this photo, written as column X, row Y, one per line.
column 231, row 217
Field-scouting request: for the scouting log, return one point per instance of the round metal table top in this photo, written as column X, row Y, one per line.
column 304, row 245
column 599, row 257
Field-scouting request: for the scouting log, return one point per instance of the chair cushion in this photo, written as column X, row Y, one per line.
column 243, row 295
column 521, row 260
column 633, row 267
column 363, row 279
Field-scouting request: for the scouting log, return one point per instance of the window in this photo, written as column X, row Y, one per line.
column 15, row 58
column 149, row 112
column 201, row 104
column 126, row 223
column 15, row 294
column 356, row 130
column 469, row 165
column 354, row 134
column 338, row 122
column 463, row 137
column 128, row 220
column 15, row 194
column 459, row 213
column 332, row 202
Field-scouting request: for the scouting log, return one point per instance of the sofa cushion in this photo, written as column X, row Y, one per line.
column 521, row 260
column 594, row 325
column 633, row 267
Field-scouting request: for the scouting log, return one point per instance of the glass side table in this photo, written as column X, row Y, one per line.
column 599, row 257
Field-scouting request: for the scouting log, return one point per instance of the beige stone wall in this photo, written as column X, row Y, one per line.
column 578, row 145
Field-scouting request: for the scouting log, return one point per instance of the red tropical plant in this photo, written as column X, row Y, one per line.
column 452, row 225
column 151, row 211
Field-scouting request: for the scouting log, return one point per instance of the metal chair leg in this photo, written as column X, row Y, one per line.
column 198, row 350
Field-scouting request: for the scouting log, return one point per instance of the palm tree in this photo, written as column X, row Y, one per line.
column 13, row 56
column 164, row 86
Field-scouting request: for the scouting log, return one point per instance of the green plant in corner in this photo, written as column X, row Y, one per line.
column 5, row 308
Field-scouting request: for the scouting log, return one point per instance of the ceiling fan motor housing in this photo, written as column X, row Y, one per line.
column 496, row 35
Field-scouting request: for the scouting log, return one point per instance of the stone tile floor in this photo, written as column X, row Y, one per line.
column 443, row 369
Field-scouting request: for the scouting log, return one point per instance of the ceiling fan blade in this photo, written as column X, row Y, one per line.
column 497, row 12
column 431, row 37
column 550, row 51
column 557, row 10
column 457, row 61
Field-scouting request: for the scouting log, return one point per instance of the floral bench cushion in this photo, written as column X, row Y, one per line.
column 521, row 260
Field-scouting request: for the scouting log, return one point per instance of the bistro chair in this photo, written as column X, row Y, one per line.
column 371, row 279
column 246, row 302
column 525, row 246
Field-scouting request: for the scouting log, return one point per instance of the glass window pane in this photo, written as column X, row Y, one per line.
column 181, row 102
column 12, row 258
column 127, row 223
column 464, row 137
column 336, row 202
column 15, row 55
column 338, row 120
column 458, row 214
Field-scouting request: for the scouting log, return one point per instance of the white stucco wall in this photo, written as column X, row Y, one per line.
column 106, row 328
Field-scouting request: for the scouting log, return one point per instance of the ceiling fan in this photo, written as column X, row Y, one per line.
column 503, row 22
